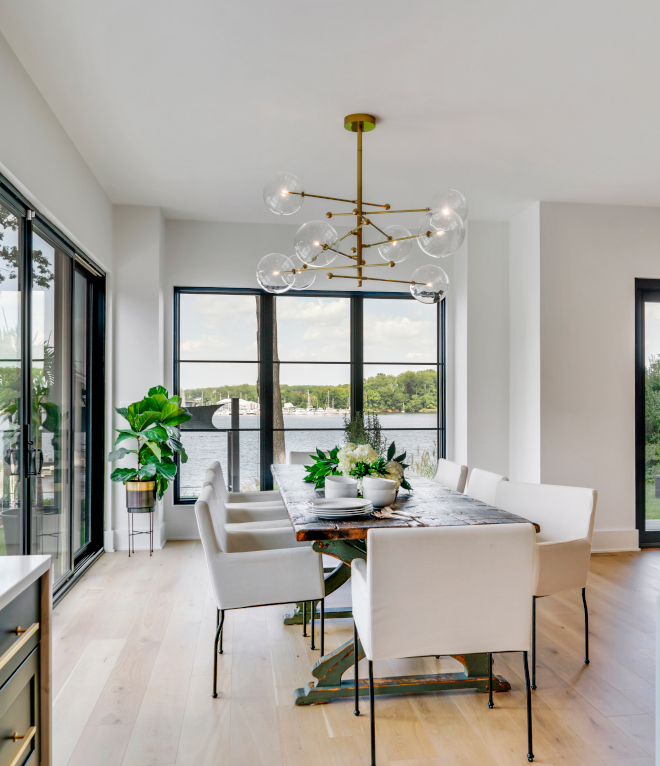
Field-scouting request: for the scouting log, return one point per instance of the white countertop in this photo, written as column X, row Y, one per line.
column 17, row 573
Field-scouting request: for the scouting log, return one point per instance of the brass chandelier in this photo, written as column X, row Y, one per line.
column 440, row 232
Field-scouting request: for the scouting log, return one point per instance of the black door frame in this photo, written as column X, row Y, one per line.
column 31, row 219
column 647, row 539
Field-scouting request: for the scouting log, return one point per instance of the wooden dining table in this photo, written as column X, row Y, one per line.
column 431, row 505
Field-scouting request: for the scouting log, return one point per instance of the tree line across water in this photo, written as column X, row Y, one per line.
column 412, row 391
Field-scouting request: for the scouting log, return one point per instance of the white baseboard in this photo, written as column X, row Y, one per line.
column 108, row 541
column 615, row 540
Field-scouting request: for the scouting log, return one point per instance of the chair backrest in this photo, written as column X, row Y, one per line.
column 214, row 476
column 214, row 548
column 472, row 584
column 482, row 485
column 300, row 458
column 451, row 475
column 564, row 513
column 217, row 513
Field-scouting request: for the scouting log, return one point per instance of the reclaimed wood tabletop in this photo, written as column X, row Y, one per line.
column 432, row 504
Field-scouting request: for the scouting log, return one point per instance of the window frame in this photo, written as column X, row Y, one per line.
column 265, row 362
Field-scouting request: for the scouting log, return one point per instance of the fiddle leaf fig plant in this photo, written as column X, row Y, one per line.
column 153, row 427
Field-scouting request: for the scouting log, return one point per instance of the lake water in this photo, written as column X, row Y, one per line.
column 205, row 447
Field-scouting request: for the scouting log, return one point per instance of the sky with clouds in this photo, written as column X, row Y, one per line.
column 224, row 327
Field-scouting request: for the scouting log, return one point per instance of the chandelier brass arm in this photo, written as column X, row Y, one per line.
column 334, row 268
column 330, row 275
column 390, row 239
column 371, row 223
column 338, row 199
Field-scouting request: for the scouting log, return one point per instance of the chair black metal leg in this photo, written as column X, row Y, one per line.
column 313, row 605
column 533, row 642
column 357, row 682
column 322, row 627
column 490, row 680
column 218, row 638
column 372, row 714
column 586, row 627
column 530, row 752
column 305, row 619
column 222, row 632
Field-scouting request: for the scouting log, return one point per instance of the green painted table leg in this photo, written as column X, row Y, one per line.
column 328, row 671
column 346, row 551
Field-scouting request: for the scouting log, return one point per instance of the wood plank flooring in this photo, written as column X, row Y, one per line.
column 133, row 659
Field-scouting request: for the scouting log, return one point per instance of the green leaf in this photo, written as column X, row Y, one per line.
column 175, row 399
column 154, row 433
column 123, row 435
column 400, row 458
column 166, row 470
column 123, row 411
column 118, row 454
column 145, row 419
column 155, row 448
column 124, row 474
column 172, row 415
column 391, row 451
column 147, row 472
column 157, row 390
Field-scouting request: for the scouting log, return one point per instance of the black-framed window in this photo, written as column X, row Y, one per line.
column 298, row 365
column 647, row 410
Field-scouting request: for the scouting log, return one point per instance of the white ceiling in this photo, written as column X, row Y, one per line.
column 191, row 104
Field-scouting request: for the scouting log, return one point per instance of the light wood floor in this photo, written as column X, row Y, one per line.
column 133, row 661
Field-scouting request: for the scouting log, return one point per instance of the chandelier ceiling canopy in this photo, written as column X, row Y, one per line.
column 439, row 233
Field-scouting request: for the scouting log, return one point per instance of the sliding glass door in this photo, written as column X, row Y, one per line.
column 51, row 393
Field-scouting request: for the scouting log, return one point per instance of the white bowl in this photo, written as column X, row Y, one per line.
column 377, row 482
column 380, row 497
column 340, row 486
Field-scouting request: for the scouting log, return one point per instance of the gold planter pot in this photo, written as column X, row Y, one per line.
column 140, row 494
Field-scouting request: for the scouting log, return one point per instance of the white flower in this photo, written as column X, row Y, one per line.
column 365, row 453
column 394, row 471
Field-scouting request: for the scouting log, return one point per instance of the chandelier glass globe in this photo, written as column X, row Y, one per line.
column 278, row 196
column 441, row 233
column 312, row 241
column 449, row 199
column 275, row 273
column 306, row 277
column 396, row 251
column 430, row 284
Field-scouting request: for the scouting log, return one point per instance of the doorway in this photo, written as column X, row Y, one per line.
column 51, row 393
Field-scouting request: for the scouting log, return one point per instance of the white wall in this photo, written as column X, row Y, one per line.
column 590, row 257
column 138, row 337
column 38, row 157
column 525, row 347
column 487, row 348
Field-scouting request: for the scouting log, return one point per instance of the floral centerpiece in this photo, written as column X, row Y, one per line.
column 359, row 459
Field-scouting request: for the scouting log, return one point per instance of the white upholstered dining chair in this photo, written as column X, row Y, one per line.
column 300, row 458
column 563, row 546
column 255, row 567
column 482, row 485
column 451, row 475
column 486, row 574
column 246, row 507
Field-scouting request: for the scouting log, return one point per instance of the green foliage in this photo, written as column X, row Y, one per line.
column 364, row 428
column 652, row 417
column 323, row 465
column 153, row 425
column 413, row 391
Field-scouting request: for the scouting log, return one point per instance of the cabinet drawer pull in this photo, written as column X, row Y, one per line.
column 18, row 644
column 20, row 630
column 27, row 738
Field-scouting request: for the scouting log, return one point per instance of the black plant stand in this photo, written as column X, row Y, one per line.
column 132, row 532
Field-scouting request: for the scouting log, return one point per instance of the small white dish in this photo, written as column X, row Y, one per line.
column 340, row 486
column 377, row 482
column 379, row 496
